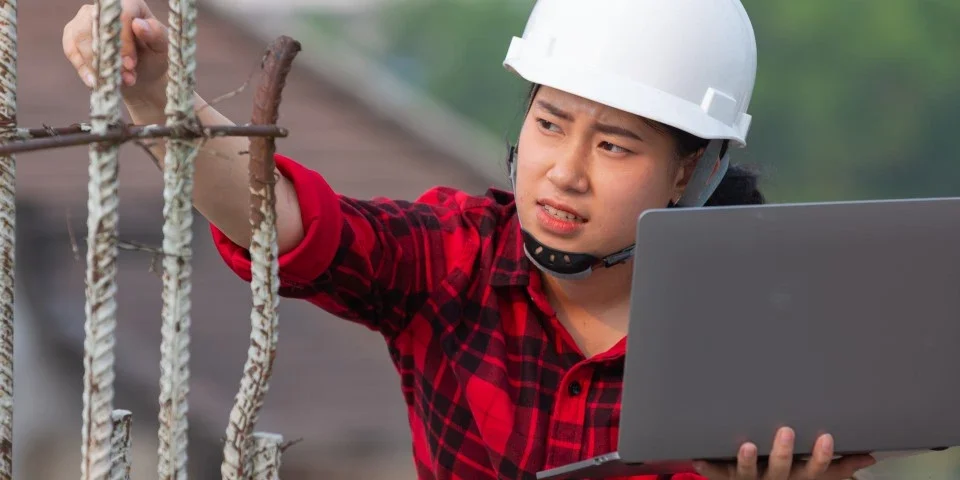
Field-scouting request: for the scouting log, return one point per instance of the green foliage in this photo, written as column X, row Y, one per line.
column 855, row 98
column 459, row 47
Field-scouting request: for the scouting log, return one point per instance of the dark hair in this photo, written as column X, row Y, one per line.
column 739, row 185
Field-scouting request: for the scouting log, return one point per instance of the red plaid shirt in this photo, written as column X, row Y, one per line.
column 495, row 386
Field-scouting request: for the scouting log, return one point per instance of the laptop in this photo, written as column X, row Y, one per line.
column 840, row 317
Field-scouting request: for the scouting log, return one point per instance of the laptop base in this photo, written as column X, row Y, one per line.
column 611, row 465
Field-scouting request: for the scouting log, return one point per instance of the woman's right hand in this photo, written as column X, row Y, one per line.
column 221, row 180
column 143, row 49
column 780, row 466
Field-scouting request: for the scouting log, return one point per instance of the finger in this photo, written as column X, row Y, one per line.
column 128, row 45
column 845, row 467
column 714, row 471
column 150, row 34
column 73, row 36
column 747, row 462
column 86, row 75
column 84, row 49
column 820, row 460
column 781, row 456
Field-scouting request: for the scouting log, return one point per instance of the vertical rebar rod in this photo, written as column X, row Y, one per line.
column 264, row 269
column 101, row 272
column 264, row 456
column 120, row 442
column 8, row 130
column 177, row 236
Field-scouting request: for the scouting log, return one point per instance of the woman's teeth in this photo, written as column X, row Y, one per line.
column 561, row 214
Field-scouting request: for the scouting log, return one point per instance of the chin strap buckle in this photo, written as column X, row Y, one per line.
column 619, row 257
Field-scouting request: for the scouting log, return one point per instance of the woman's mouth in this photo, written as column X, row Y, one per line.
column 562, row 214
column 557, row 221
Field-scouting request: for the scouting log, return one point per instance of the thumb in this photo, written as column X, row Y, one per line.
column 150, row 34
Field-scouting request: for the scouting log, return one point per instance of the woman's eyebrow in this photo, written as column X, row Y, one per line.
column 615, row 130
column 554, row 110
column 599, row 127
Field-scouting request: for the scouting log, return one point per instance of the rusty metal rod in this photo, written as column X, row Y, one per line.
column 263, row 458
column 177, row 236
column 101, row 272
column 121, row 443
column 156, row 130
column 263, row 252
column 43, row 140
column 8, row 124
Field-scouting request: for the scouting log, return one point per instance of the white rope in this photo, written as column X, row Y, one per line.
column 120, row 444
column 8, row 126
column 102, row 220
column 177, row 236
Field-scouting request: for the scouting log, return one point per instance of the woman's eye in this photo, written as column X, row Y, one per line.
column 613, row 148
column 548, row 125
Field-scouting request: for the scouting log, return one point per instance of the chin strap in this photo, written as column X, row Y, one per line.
column 568, row 265
column 710, row 169
column 707, row 174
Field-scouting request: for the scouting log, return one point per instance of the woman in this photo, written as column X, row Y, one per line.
column 506, row 315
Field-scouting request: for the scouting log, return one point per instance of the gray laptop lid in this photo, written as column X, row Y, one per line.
column 836, row 317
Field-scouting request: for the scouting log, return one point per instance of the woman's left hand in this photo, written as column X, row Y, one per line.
column 780, row 466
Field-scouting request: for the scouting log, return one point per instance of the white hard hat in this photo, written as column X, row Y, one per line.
column 690, row 64
column 686, row 63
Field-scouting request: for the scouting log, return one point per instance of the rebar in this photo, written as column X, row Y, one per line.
column 177, row 236
column 8, row 126
column 264, row 276
column 106, row 433
column 120, row 445
column 263, row 460
column 34, row 139
column 101, row 271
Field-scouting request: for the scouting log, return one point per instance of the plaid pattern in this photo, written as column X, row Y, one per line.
column 495, row 387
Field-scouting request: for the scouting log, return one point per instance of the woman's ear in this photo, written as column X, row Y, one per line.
column 685, row 172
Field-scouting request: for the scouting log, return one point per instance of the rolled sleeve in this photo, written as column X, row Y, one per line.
column 321, row 217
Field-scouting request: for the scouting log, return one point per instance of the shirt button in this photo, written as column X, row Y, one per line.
column 574, row 388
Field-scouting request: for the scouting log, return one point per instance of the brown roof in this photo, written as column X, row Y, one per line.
column 333, row 383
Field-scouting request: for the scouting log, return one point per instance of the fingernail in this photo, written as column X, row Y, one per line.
column 827, row 444
column 90, row 79
column 142, row 24
column 128, row 62
column 786, row 436
column 129, row 78
column 698, row 466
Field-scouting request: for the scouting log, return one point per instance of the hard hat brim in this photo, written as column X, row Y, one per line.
column 623, row 94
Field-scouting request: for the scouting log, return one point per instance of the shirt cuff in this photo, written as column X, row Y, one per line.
column 319, row 209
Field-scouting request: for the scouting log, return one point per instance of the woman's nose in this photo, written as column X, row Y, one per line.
column 569, row 173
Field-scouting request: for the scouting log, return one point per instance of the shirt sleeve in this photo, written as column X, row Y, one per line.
column 374, row 262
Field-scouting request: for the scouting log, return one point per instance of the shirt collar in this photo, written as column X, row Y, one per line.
column 511, row 266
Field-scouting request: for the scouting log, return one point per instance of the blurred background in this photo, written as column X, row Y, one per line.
column 855, row 99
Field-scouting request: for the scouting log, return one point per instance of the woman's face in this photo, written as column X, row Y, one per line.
column 586, row 171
